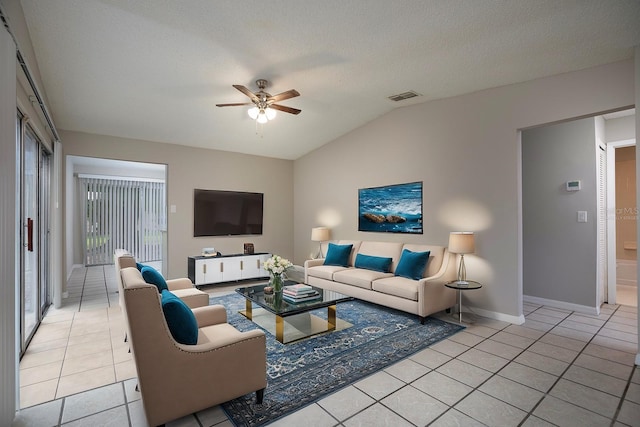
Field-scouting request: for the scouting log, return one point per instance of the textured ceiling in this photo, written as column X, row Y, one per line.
column 154, row 69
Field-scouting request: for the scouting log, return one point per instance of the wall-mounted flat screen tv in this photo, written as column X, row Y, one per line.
column 226, row 213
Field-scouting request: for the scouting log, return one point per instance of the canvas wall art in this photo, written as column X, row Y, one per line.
column 391, row 209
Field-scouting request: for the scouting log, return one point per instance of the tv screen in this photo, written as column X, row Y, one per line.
column 226, row 213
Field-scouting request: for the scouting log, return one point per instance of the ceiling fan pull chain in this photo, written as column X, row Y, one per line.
column 261, row 133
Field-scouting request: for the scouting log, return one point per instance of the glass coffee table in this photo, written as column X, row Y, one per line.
column 275, row 304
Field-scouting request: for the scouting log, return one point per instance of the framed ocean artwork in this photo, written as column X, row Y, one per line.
column 391, row 209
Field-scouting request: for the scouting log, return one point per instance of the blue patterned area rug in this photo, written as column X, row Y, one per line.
column 303, row 372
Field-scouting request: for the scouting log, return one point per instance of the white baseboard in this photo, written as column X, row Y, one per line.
column 516, row 320
column 585, row 309
column 638, row 359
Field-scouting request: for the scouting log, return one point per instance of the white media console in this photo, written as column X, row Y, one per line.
column 204, row 270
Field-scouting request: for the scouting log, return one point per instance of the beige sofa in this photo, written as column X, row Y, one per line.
column 422, row 297
column 177, row 379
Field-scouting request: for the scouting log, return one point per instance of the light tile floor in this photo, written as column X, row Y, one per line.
column 558, row 368
column 627, row 295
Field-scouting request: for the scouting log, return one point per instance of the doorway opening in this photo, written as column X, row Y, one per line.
column 115, row 204
column 569, row 212
column 622, row 223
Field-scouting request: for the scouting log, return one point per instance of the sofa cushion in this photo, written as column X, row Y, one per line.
column 359, row 277
column 375, row 263
column 436, row 256
column 382, row 249
column 180, row 319
column 397, row 286
column 153, row 276
column 338, row 255
column 324, row 271
column 356, row 248
column 412, row 264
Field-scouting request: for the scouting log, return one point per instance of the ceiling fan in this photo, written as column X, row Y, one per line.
column 264, row 103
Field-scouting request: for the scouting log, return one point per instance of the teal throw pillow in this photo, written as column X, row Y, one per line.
column 375, row 263
column 153, row 276
column 180, row 319
column 338, row 255
column 412, row 264
column 140, row 266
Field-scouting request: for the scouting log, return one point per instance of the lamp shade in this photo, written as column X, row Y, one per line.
column 320, row 234
column 461, row 242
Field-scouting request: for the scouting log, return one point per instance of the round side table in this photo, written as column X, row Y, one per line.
column 462, row 286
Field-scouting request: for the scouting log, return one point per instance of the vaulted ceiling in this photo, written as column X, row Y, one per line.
column 154, row 69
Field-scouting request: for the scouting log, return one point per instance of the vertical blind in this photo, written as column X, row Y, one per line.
column 122, row 213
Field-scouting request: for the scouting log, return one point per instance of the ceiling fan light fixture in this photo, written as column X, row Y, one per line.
column 271, row 113
column 262, row 117
column 262, row 102
column 253, row 112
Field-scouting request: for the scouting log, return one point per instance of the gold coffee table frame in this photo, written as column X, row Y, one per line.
column 282, row 308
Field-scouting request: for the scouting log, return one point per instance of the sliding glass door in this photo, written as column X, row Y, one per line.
column 30, row 278
column 34, row 221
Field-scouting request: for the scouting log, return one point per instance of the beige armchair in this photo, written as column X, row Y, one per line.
column 176, row 379
column 182, row 288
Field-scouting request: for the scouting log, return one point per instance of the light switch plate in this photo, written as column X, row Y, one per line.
column 582, row 216
column 173, row 208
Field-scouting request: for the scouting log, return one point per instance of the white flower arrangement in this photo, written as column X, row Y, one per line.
column 277, row 265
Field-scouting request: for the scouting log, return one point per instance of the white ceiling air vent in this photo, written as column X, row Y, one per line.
column 404, row 95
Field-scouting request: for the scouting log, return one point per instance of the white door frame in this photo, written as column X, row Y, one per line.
column 611, row 215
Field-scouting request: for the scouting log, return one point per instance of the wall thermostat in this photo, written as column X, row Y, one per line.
column 574, row 185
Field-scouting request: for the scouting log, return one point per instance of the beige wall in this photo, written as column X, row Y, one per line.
column 466, row 150
column 190, row 168
column 620, row 128
column 626, row 217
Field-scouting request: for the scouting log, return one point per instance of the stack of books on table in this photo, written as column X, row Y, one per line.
column 299, row 293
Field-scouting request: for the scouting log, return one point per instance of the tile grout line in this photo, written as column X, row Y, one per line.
column 86, row 271
column 624, row 395
column 61, row 412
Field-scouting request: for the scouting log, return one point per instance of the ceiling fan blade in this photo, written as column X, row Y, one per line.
column 285, row 109
column 284, row 95
column 247, row 92
column 237, row 104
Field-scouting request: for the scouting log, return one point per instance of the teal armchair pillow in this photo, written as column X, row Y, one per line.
column 180, row 319
column 153, row 276
column 338, row 255
column 412, row 264
column 375, row 263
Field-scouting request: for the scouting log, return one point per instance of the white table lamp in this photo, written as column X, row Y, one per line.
column 319, row 234
column 461, row 242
